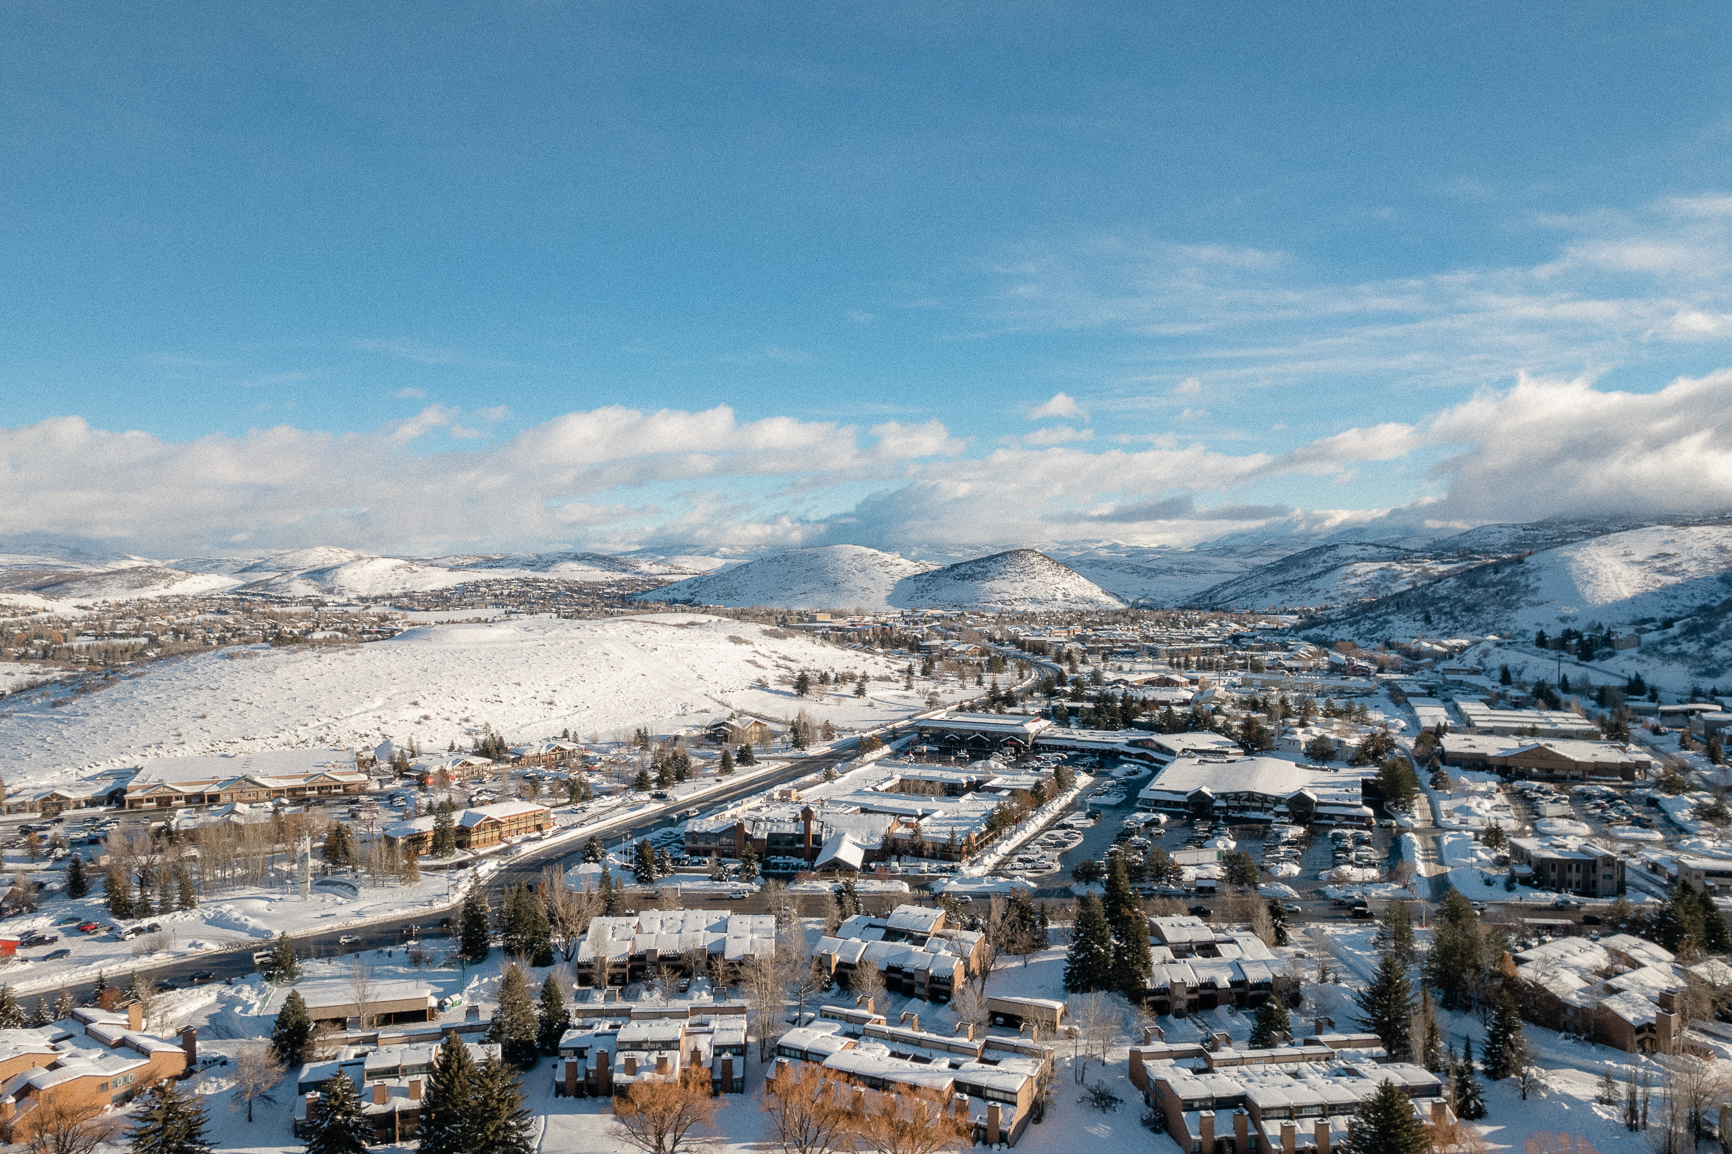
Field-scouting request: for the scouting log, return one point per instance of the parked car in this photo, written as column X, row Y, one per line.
column 90, row 928
column 201, row 977
column 1592, row 920
column 349, row 940
column 1199, row 911
column 56, row 955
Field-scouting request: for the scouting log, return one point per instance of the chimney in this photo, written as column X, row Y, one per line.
column 1289, row 1137
column 379, row 1093
column 1439, row 1113
column 631, row 1065
column 9, row 1108
column 1220, row 1040
column 727, row 1073
column 416, row 1084
column 959, row 1106
column 1206, row 1129
column 994, row 1118
column 604, row 1074
column 858, row 1106
column 1241, row 1131
column 189, row 1043
column 312, row 1105
column 1321, row 1026
column 964, row 1027
column 135, row 1017
column 865, row 1001
column 662, row 1064
column 806, row 816
column 911, row 1015
column 696, row 1060
column 1668, row 1000
column 1139, row 1079
column 1320, row 1135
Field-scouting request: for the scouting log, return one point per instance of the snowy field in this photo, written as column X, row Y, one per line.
column 529, row 678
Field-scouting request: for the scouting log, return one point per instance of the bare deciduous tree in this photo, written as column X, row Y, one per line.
column 867, row 981
column 808, row 1113
column 65, row 1126
column 257, row 1069
column 677, row 1116
column 1094, row 1021
column 363, row 991
column 906, row 1120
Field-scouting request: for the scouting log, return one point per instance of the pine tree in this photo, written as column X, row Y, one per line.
column 1388, row 1008
column 1678, row 924
column 446, row 1108
column 170, row 1122
column 644, row 867
column 11, row 1013
column 499, row 1123
column 337, row 852
column 40, row 1016
column 1716, row 939
column 285, row 966
column 748, row 863
column 610, row 896
column 1132, row 963
column 117, row 892
column 1277, row 920
column 1505, row 1048
column 593, row 851
column 1398, row 932
column 77, row 883
column 64, row 1004
column 444, row 842
column 747, row 757
column 1385, row 1124
column 1469, row 1095
column 133, row 992
column 1089, row 962
column 514, row 1021
column 339, row 1126
column 475, row 930
column 727, row 765
column 1271, row 1020
column 1428, row 1038
column 551, row 1015
column 294, row 1026
column 100, row 988
column 188, row 900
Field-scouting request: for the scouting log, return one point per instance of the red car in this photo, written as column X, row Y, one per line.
column 90, row 928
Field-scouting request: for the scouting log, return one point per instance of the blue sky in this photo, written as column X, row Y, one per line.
column 971, row 274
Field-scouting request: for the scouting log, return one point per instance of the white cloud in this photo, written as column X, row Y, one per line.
column 409, row 393
column 1061, row 405
column 1058, row 435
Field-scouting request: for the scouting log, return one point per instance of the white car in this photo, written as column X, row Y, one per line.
column 349, row 940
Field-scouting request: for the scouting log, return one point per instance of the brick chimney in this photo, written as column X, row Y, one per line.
column 994, row 1118
column 604, row 1074
column 727, row 1073
column 1320, row 1135
column 1206, row 1129
column 806, row 816
column 864, row 1002
column 1289, row 1137
column 312, row 1105
column 135, row 1017
column 415, row 1088
column 571, row 1077
column 964, row 1028
column 630, row 1065
column 695, row 1060
column 909, row 1016
column 1439, row 1113
column 189, row 1043
column 662, row 1064
column 379, row 1093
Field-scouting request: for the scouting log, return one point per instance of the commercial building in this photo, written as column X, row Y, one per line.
column 334, row 1000
column 1568, row 865
column 1547, row 723
column 981, row 734
column 1256, row 789
column 279, row 774
column 480, row 827
column 1555, row 759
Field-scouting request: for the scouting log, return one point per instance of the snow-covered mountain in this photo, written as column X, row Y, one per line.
column 1326, row 576
column 1021, row 579
column 1163, row 577
column 827, row 577
column 1641, row 576
column 567, row 566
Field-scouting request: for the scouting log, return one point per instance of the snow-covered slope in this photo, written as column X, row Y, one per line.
column 1648, row 574
column 1166, row 577
column 827, row 577
column 1328, row 575
column 529, row 678
column 1021, row 579
column 567, row 566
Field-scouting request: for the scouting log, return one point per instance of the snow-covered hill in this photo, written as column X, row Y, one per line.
column 1021, row 579
column 567, row 566
column 1163, row 577
column 1326, row 576
column 1646, row 575
column 530, row 679
column 828, row 577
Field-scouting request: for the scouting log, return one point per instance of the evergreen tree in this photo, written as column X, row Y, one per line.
column 643, row 868
column 11, row 1013
column 593, row 850
column 40, row 1016
column 499, row 1123
column 552, row 1017
column 1453, row 962
column 1271, row 1020
column 187, row 899
column 446, row 1107
column 1278, row 922
column 285, row 966
column 1388, row 1008
column 1398, row 932
column 64, row 1004
column 444, row 842
column 339, row 1126
column 1385, row 1124
column 1716, row 939
column 100, row 988
column 336, row 852
column 748, row 863
column 294, row 1026
column 77, row 883
column 1428, row 1038
column 1132, row 963
column 515, row 1026
column 474, row 925
column 1469, row 1095
column 133, row 992
column 170, row 1122
column 641, row 782
column 1505, row 1047
column 747, row 757
column 1089, row 962
column 117, row 892
column 727, row 765
column 610, row 896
